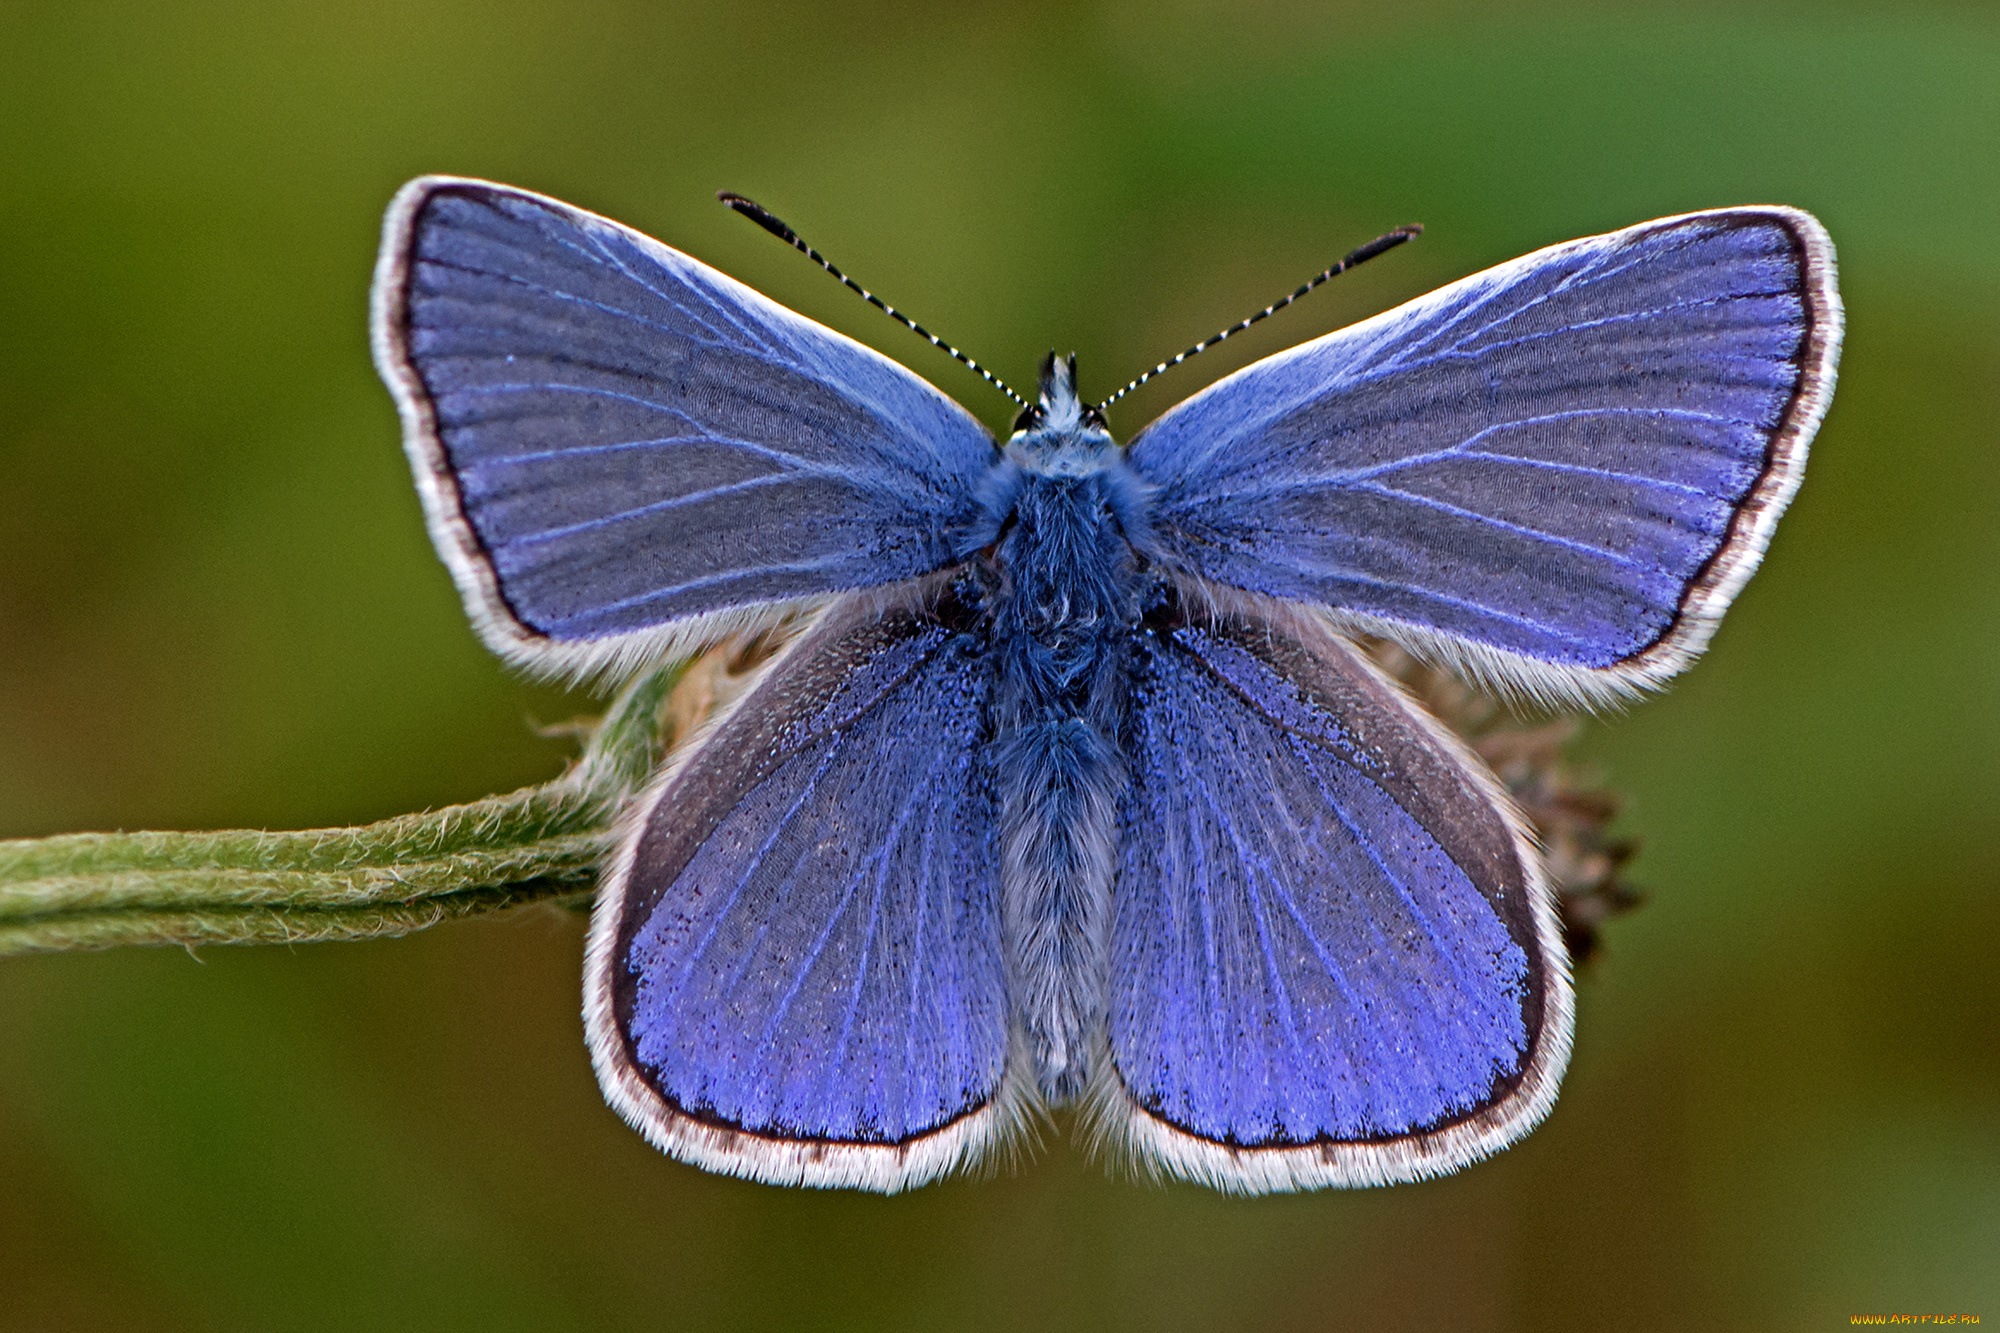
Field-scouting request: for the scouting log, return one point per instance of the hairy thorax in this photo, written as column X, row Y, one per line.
column 1065, row 584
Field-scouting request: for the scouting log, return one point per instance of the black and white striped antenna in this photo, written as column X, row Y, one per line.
column 1388, row 241
column 764, row 218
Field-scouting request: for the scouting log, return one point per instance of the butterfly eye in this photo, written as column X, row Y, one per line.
column 1029, row 418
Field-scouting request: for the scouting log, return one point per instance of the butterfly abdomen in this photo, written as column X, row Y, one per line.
column 1067, row 586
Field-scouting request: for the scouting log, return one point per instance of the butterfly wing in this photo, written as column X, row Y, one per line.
column 794, row 970
column 1554, row 474
column 622, row 451
column 1333, row 958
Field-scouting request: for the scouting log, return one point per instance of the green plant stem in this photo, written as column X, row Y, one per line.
column 100, row 890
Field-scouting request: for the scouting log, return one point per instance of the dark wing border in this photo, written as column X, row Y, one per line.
column 1716, row 586
column 1708, row 594
column 1119, row 1125
column 818, row 1163
column 451, row 531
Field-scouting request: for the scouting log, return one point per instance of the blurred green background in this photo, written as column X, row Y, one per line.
column 218, row 608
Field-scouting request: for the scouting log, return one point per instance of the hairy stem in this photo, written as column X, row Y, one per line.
column 98, row 890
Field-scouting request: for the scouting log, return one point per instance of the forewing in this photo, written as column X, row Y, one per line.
column 1333, row 959
column 621, row 450
column 1556, row 473
column 795, row 971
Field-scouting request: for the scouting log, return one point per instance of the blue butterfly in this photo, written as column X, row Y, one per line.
column 1076, row 789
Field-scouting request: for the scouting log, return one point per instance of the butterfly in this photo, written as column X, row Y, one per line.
column 1075, row 788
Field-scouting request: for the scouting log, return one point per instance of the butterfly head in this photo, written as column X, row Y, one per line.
column 1060, row 434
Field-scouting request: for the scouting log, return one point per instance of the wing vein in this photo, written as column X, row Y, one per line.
column 1533, row 534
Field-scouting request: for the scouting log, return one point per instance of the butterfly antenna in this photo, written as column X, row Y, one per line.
column 1362, row 255
column 764, row 218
